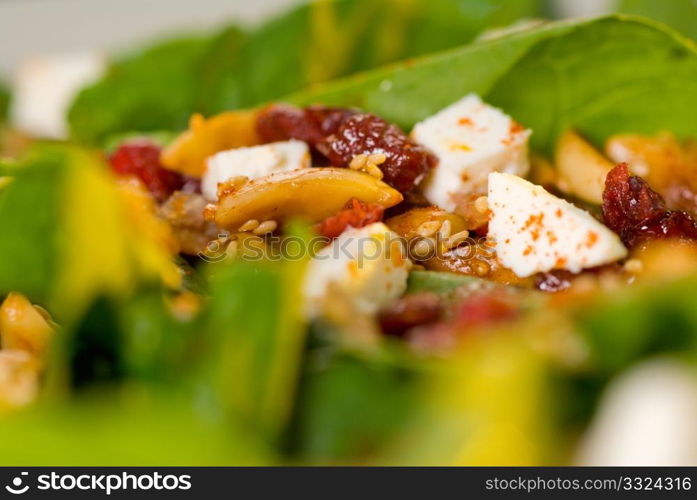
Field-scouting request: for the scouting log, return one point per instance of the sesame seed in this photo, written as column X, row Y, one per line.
column 457, row 238
column 633, row 266
column 428, row 228
column 268, row 226
column 358, row 162
column 374, row 171
column 480, row 268
column 423, row 248
column 445, row 230
column 481, row 204
column 377, row 158
column 250, row 225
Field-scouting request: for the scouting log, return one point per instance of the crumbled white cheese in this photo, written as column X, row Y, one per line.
column 368, row 265
column 253, row 162
column 471, row 139
column 535, row 231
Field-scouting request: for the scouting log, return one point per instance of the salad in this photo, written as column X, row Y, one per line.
column 482, row 256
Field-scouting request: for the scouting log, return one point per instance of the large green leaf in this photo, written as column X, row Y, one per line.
column 680, row 14
column 160, row 88
column 603, row 76
column 326, row 39
column 153, row 90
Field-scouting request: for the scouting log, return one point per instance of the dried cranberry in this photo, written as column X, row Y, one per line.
column 406, row 162
column 410, row 311
column 339, row 134
column 142, row 159
column 637, row 213
column 478, row 309
column 280, row 122
column 356, row 214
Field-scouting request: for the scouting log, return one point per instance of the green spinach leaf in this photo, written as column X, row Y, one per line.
column 154, row 90
column 680, row 14
column 603, row 76
column 316, row 42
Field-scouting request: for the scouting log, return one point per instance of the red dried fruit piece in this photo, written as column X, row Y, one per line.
column 406, row 162
column 279, row 122
column 141, row 158
column 339, row 134
column 485, row 307
column 478, row 309
column 637, row 213
column 356, row 214
column 410, row 311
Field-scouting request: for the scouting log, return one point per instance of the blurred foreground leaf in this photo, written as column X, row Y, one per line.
column 68, row 235
column 351, row 404
column 112, row 431
column 255, row 334
column 488, row 404
column 634, row 324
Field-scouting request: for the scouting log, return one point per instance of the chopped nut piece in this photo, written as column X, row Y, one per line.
column 358, row 162
column 429, row 228
column 377, row 158
column 266, row 227
column 457, row 238
column 423, row 248
column 250, row 225
column 445, row 230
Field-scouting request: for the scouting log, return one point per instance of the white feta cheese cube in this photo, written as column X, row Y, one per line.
column 534, row 231
column 470, row 139
column 253, row 162
column 369, row 265
column 43, row 89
